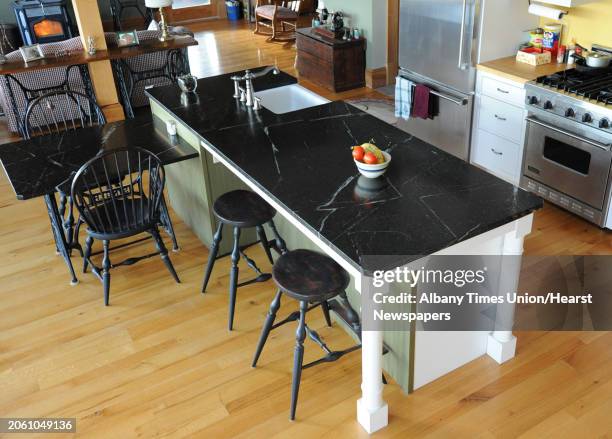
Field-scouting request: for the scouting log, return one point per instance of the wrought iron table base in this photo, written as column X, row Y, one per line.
column 57, row 226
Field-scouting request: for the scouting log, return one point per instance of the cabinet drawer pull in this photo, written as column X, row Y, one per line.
column 503, row 119
column 496, row 152
column 502, row 91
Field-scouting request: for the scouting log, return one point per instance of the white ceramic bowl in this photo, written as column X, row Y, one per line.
column 374, row 171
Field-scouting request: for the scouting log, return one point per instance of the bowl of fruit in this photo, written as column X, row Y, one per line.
column 370, row 160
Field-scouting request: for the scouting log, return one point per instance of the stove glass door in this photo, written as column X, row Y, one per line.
column 566, row 155
column 567, row 163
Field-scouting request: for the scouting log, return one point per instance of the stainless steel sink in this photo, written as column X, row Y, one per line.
column 289, row 98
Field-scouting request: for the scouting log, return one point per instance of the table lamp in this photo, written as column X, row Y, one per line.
column 161, row 4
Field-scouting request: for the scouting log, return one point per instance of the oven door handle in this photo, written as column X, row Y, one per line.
column 603, row 146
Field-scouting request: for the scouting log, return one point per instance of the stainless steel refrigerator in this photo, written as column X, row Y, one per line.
column 440, row 44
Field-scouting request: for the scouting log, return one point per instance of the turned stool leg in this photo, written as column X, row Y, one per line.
column 325, row 308
column 214, row 249
column 261, row 235
column 352, row 316
column 280, row 243
column 298, row 358
column 274, row 307
column 234, row 277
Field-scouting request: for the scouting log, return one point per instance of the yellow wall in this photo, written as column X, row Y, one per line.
column 589, row 23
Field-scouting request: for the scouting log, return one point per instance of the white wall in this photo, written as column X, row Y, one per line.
column 371, row 17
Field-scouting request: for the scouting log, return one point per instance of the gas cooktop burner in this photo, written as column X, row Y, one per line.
column 579, row 98
column 605, row 96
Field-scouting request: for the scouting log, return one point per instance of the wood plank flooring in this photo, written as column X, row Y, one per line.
column 159, row 361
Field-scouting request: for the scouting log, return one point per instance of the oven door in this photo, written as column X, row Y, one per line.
column 569, row 163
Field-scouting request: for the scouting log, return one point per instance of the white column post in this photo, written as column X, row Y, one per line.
column 501, row 345
column 372, row 411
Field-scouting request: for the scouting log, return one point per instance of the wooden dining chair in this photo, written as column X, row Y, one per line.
column 277, row 19
column 52, row 113
column 61, row 110
column 66, row 110
column 119, row 194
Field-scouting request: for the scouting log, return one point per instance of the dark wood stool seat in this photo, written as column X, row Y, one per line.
column 312, row 279
column 242, row 208
column 310, row 276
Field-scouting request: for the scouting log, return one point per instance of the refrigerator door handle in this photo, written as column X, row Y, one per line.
column 457, row 100
column 461, row 65
column 461, row 101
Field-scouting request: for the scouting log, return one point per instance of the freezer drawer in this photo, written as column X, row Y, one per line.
column 450, row 129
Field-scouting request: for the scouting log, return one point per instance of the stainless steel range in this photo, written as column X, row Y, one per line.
column 568, row 145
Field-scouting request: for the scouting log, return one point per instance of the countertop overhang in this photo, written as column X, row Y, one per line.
column 428, row 200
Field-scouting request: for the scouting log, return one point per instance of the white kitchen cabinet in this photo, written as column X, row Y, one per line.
column 501, row 89
column 499, row 156
column 499, row 126
column 500, row 118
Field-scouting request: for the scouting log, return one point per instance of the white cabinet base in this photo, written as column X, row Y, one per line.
column 438, row 353
column 372, row 419
column 499, row 126
column 501, row 351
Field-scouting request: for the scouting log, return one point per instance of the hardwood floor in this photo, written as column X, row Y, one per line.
column 228, row 47
column 160, row 362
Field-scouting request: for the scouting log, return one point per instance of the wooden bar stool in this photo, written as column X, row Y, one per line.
column 312, row 279
column 242, row 209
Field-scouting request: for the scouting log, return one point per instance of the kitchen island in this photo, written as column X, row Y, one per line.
column 429, row 202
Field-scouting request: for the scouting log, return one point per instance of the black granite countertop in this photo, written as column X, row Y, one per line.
column 36, row 166
column 427, row 201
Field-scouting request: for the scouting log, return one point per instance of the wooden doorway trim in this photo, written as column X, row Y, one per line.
column 392, row 40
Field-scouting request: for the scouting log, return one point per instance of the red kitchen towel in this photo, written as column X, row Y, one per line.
column 420, row 104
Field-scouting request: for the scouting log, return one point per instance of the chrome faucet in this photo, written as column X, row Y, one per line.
column 247, row 94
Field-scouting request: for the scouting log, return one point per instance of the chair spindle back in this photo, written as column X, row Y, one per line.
column 119, row 191
column 61, row 110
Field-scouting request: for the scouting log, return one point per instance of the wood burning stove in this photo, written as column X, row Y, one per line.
column 43, row 21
